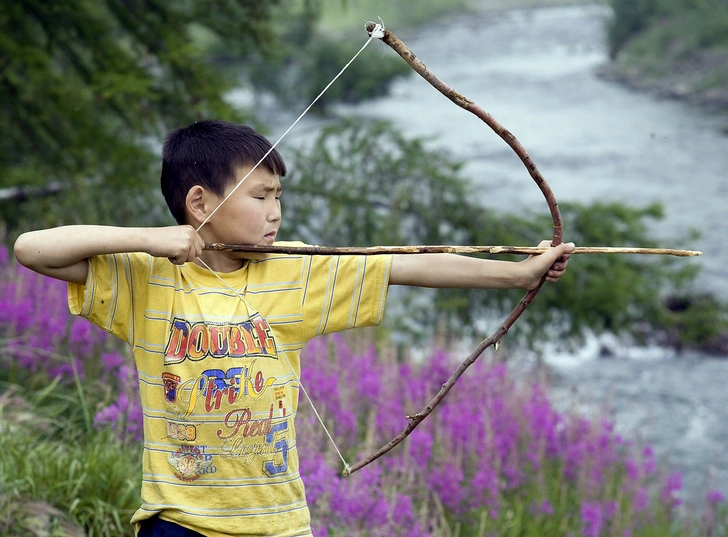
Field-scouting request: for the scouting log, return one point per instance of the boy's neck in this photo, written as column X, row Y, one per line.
column 221, row 262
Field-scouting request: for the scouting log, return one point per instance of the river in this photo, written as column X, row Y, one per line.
column 534, row 70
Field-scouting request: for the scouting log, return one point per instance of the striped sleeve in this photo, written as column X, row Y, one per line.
column 107, row 298
column 341, row 292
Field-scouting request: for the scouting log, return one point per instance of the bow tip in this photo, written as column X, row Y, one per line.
column 374, row 29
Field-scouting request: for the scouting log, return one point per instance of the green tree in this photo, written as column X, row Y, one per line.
column 89, row 88
column 667, row 28
column 365, row 184
column 629, row 17
column 312, row 53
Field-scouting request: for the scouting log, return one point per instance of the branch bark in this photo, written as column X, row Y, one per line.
column 398, row 46
column 21, row 193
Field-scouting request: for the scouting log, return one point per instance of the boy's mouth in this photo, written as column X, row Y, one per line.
column 270, row 237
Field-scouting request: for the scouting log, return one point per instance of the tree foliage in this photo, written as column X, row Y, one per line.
column 701, row 23
column 89, row 88
column 310, row 57
column 365, row 184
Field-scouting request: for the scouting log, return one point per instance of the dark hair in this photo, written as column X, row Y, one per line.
column 208, row 153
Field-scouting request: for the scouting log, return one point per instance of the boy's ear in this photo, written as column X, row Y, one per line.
column 197, row 204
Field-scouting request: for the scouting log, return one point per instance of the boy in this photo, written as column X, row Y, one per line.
column 218, row 352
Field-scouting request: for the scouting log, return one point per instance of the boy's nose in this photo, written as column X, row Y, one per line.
column 275, row 213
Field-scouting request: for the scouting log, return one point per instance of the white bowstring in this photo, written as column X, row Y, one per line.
column 376, row 33
column 295, row 375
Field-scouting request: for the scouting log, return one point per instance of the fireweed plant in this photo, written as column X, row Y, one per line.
column 496, row 458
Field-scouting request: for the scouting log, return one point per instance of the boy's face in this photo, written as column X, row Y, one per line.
column 252, row 215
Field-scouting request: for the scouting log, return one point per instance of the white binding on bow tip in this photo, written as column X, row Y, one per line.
column 376, row 33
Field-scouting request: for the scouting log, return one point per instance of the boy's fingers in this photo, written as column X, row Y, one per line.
column 563, row 248
column 559, row 256
column 560, row 253
column 566, row 247
column 564, row 251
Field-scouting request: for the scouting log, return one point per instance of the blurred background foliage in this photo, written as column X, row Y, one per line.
column 697, row 23
column 364, row 183
column 680, row 44
column 88, row 91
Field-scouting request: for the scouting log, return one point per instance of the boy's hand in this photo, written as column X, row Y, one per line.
column 552, row 263
column 179, row 244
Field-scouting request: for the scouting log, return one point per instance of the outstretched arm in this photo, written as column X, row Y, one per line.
column 63, row 252
column 454, row 271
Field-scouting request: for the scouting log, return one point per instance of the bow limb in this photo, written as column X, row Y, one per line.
column 395, row 43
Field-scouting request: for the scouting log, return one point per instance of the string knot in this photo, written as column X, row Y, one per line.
column 376, row 32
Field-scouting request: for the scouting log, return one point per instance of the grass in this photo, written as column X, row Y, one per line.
column 59, row 474
column 63, row 479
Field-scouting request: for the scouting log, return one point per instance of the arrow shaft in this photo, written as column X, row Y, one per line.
column 382, row 250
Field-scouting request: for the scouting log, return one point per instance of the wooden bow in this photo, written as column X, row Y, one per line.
column 414, row 420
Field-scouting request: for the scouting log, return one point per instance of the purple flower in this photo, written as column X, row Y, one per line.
column 112, row 361
column 641, row 500
column 107, row 415
column 448, row 482
column 591, row 519
column 85, row 337
column 610, row 509
column 543, row 508
column 649, row 464
column 317, row 476
column 420, row 446
column 124, row 416
column 633, row 470
column 484, row 487
column 403, row 514
column 321, row 531
column 670, row 493
column 714, row 497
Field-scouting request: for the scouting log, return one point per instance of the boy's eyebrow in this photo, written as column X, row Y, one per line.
column 267, row 188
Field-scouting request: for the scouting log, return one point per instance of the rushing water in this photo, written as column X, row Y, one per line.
column 592, row 140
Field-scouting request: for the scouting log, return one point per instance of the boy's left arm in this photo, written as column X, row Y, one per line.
column 455, row 271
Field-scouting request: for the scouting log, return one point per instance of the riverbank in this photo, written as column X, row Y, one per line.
column 663, row 59
column 672, row 49
column 701, row 78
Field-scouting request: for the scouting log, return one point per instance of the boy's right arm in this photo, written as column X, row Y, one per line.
column 63, row 252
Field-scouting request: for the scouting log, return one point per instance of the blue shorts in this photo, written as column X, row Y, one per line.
column 156, row 527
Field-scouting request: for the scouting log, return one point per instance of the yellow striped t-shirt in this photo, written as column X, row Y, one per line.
column 217, row 376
